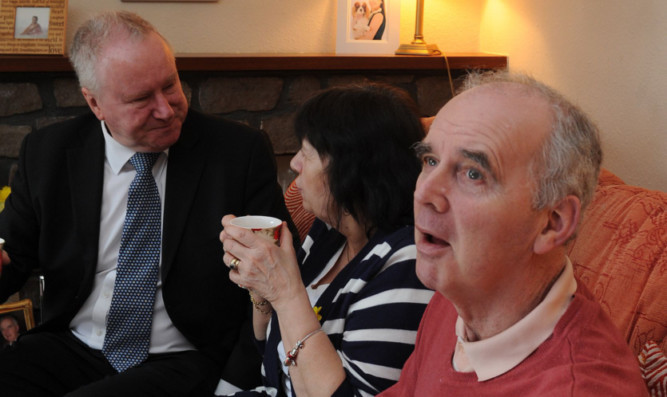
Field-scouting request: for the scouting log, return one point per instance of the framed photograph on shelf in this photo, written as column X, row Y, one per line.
column 368, row 26
column 33, row 26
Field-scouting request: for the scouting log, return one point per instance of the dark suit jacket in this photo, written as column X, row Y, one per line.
column 51, row 221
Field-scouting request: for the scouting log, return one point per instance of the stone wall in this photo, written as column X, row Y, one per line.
column 266, row 100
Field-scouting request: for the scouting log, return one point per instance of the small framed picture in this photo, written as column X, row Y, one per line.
column 32, row 23
column 32, row 26
column 19, row 317
column 368, row 26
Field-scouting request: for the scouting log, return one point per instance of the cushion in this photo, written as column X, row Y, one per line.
column 607, row 178
column 653, row 364
column 620, row 254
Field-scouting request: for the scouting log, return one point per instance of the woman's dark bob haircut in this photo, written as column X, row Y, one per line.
column 366, row 132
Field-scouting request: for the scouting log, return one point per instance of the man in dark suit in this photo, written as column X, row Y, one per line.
column 66, row 214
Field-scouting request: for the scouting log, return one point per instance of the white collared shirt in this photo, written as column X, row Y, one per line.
column 89, row 324
column 500, row 353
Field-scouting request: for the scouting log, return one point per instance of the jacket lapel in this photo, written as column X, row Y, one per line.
column 184, row 169
column 85, row 164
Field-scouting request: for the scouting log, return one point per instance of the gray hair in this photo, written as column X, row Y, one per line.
column 92, row 37
column 569, row 162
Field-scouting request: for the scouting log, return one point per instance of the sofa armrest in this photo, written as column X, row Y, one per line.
column 620, row 253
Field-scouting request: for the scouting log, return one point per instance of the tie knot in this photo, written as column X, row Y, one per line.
column 143, row 162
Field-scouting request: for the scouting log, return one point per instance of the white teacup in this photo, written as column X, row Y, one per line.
column 264, row 226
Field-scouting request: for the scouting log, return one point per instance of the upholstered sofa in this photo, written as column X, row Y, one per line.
column 620, row 253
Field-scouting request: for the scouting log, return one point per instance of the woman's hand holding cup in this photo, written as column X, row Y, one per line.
column 261, row 257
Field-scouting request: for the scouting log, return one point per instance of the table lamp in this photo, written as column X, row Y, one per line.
column 418, row 46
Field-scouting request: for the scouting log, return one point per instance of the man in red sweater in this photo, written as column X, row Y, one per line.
column 508, row 167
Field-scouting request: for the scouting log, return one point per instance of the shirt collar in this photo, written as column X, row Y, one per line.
column 500, row 353
column 116, row 154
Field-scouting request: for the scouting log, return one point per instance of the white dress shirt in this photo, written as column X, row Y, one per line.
column 89, row 325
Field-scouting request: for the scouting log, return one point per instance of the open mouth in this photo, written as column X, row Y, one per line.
column 434, row 240
column 429, row 241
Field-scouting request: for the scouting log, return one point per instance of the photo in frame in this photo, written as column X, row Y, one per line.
column 33, row 26
column 368, row 26
column 22, row 312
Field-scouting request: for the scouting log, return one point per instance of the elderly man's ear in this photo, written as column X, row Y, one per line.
column 92, row 102
column 561, row 224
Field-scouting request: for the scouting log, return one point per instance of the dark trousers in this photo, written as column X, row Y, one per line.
column 58, row 364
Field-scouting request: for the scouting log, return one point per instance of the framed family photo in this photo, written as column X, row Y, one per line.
column 32, row 26
column 368, row 26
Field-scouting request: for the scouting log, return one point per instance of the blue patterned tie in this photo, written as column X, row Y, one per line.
column 131, row 314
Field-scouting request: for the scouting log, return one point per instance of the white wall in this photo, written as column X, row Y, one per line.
column 230, row 26
column 276, row 26
column 609, row 56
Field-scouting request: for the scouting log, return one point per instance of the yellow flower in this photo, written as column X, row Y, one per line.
column 317, row 312
column 4, row 193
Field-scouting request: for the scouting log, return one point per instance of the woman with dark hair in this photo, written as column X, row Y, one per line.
column 354, row 276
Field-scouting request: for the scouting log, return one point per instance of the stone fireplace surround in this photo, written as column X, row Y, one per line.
column 263, row 91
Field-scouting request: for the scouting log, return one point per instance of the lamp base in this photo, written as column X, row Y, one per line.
column 418, row 49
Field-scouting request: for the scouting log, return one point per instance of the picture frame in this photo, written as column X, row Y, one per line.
column 355, row 27
column 23, row 313
column 33, row 26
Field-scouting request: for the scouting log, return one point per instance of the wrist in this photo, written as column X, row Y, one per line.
column 261, row 305
column 292, row 355
column 291, row 301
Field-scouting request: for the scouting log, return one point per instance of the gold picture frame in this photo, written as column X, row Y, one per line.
column 33, row 26
column 21, row 311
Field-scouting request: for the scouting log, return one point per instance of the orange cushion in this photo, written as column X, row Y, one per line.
column 620, row 254
column 608, row 178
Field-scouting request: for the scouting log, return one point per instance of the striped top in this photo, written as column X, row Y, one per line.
column 370, row 311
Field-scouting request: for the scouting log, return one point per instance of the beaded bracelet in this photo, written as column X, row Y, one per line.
column 291, row 355
column 258, row 305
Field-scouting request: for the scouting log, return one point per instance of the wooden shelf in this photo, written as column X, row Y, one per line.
column 279, row 62
column 211, row 62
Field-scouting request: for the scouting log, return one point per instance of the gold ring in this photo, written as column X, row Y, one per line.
column 234, row 263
